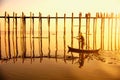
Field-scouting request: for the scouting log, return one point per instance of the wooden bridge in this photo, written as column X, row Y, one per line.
column 105, row 22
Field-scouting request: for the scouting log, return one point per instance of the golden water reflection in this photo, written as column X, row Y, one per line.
column 50, row 47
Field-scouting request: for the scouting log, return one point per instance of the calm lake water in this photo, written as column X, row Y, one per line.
column 35, row 58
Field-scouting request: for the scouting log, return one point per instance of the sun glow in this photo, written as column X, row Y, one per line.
column 61, row 6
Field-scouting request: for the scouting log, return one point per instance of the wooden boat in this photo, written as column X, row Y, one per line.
column 82, row 51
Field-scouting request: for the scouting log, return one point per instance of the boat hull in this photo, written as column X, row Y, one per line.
column 82, row 51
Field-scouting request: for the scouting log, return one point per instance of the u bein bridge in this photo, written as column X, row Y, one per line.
column 96, row 25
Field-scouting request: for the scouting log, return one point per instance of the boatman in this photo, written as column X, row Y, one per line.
column 82, row 40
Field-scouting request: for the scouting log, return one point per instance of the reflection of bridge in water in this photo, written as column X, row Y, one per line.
column 17, row 48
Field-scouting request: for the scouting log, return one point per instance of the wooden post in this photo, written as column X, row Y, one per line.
column 49, row 35
column 56, row 31
column 80, row 16
column 13, row 35
column 24, row 38
column 23, row 35
column 40, row 35
column 112, row 30
column 72, row 30
column 87, row 30
column 40, row 25
column 115, row 30
column 30, row 35
column 9, row 49
column 86, row 15
column 72, row 33
column 95, row 30
column 64, row 25
column 64, row 37
column 102, row 31
column 13, row 25
column 0, row 43
column 16, row 34
column 108, row 31
column 21, row 27
column 5, row 36
column 32, row 31
column 56, row 36
column 32, row 24
column 119, row 32
column 79, row 30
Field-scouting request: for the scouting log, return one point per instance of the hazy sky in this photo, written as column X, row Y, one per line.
column 61, row 6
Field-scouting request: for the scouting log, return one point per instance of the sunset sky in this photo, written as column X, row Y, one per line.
column 61, row 6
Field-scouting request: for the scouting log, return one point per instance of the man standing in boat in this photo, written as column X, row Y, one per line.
column 82, row 40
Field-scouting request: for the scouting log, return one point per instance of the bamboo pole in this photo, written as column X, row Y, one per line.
column 49, row 36
column 9, row 49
